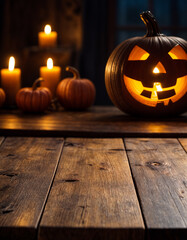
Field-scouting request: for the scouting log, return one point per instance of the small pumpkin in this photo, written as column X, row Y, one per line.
column 35, row 99
column 75, row 93
column 148, row 75
column 2, row 97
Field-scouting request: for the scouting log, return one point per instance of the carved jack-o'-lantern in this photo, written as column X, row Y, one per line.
column 148, row 75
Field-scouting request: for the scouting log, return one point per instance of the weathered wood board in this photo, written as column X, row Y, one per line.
column 27, row 168
column 1, row 140
column 93, row 196
column 159, row 168
column 183, row 142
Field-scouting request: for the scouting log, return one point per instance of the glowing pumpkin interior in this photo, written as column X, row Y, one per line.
column 153, row 96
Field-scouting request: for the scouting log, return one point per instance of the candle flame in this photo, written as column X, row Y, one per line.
column 49, row 63
column 11, row 64
column 156, row 70
column 47, row 29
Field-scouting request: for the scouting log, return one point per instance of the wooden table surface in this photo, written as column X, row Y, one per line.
column 92, row 175
column 96, row 122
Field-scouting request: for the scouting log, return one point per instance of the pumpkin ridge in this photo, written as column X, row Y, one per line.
column 18, row 96
column 70, row 90
column 110, row 75
column 24, row 97
column 66, row 92
column 49, row 97
column 42, row 102
column 34, row 94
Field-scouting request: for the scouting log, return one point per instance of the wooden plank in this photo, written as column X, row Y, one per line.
column 95, row 122
column 27, row 167
column 93, row 196
column 183, row 142
column 159, row 168
column 1, row 140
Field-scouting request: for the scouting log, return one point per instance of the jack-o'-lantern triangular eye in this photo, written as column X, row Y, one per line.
column 178, row 53
column 138, row 53
column 159, row 68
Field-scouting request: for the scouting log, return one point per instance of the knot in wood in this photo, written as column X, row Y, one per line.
column 152, row 165
column 156, row 164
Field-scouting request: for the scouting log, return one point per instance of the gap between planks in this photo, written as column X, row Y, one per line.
column 183, row 142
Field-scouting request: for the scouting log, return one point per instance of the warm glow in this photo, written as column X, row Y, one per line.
column 145, row 56
column 151, row 96
column 172, row 55
column 47, row 29
column 178, row 53
column 49, row 63
column 159, row 68
column 157, row 87
column 138, row 53
column 156, row 70
column 136, row 88
column 11, row 64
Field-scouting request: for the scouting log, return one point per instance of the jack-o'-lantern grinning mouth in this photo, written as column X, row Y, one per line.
column 157, row 94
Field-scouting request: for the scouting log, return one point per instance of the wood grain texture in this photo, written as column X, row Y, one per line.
column 93, row 196
column 183, row 142
column 96, row 122
column 27, row 167
column 159, row 168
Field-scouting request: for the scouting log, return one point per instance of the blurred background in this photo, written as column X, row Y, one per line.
column 88, row 31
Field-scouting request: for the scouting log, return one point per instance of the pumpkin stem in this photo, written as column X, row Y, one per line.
column 36, row 83
column 75, row 72
column 151, row 24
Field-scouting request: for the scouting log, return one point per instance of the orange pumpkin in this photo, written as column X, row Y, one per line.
column 75, row 93
column 148, row 75
column 35, row 99
column 2, row 97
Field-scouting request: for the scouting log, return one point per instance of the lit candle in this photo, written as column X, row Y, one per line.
column 51, row 75
column 11, row 82
column 47, row 38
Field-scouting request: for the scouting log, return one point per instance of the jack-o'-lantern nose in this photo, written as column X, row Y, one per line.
column 159, row 68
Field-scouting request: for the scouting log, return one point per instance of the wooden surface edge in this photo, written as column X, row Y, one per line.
column 91, row 233
column 98, row 121
column 89, row 134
